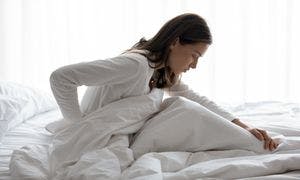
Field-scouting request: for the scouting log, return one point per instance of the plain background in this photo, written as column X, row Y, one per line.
column 254, row 56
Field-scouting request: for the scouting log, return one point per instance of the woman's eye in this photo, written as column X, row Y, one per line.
column 195, row 57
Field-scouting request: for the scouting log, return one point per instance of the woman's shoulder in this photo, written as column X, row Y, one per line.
column 139, row 51
column 138, row 56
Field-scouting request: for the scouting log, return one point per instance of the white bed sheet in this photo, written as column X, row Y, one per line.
column 31, row 131
column 271, row 115
column 267, row 115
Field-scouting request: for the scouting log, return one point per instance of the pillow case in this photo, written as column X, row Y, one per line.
column 184, row 125
column 19, row 103
column 40, row 100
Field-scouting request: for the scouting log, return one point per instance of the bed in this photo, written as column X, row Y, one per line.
column 30, row 132
column 27, row 144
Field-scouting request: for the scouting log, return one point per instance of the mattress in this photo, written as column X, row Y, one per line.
column 267, row 115
column 29, row 132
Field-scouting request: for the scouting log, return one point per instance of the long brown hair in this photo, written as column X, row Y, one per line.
column 189, row 28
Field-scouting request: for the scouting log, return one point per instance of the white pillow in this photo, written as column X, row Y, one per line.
column 10, row 112
column 184, row 125
column 40, row 100
column 36, row 101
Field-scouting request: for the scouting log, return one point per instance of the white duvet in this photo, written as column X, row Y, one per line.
column 99, row 147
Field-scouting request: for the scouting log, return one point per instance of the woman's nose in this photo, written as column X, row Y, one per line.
column 194, row 65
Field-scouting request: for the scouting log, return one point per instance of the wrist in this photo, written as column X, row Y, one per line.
column 235, row 120
column 241, row 124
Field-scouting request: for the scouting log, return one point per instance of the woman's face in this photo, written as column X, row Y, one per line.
column 184, row 57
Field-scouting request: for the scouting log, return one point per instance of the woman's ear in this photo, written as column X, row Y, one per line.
column 174, row 43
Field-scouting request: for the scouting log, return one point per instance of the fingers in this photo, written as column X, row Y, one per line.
column 276, row 142
column 273, row 145
column 260, row 134
column 264, row 134
column 257, row 134
column 269, row 142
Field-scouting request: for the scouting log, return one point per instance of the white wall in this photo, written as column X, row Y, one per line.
column 254, row 56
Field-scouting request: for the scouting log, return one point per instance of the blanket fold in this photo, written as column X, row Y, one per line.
column 98, row 148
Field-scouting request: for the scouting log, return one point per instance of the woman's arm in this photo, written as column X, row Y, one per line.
column 181, row 89
column 240, row 123
column 65, row 80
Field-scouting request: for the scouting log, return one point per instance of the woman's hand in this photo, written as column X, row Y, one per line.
column 262, row 135
column 259, row 134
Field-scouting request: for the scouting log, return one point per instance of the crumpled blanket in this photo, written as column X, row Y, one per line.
column 98, row 148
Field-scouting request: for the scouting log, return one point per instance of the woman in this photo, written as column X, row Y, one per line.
column 154, row 63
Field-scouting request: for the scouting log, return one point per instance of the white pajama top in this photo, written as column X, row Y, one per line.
column 112, row 79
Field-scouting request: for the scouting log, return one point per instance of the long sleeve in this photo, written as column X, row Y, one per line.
column 181, row 89
column 65, row 80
